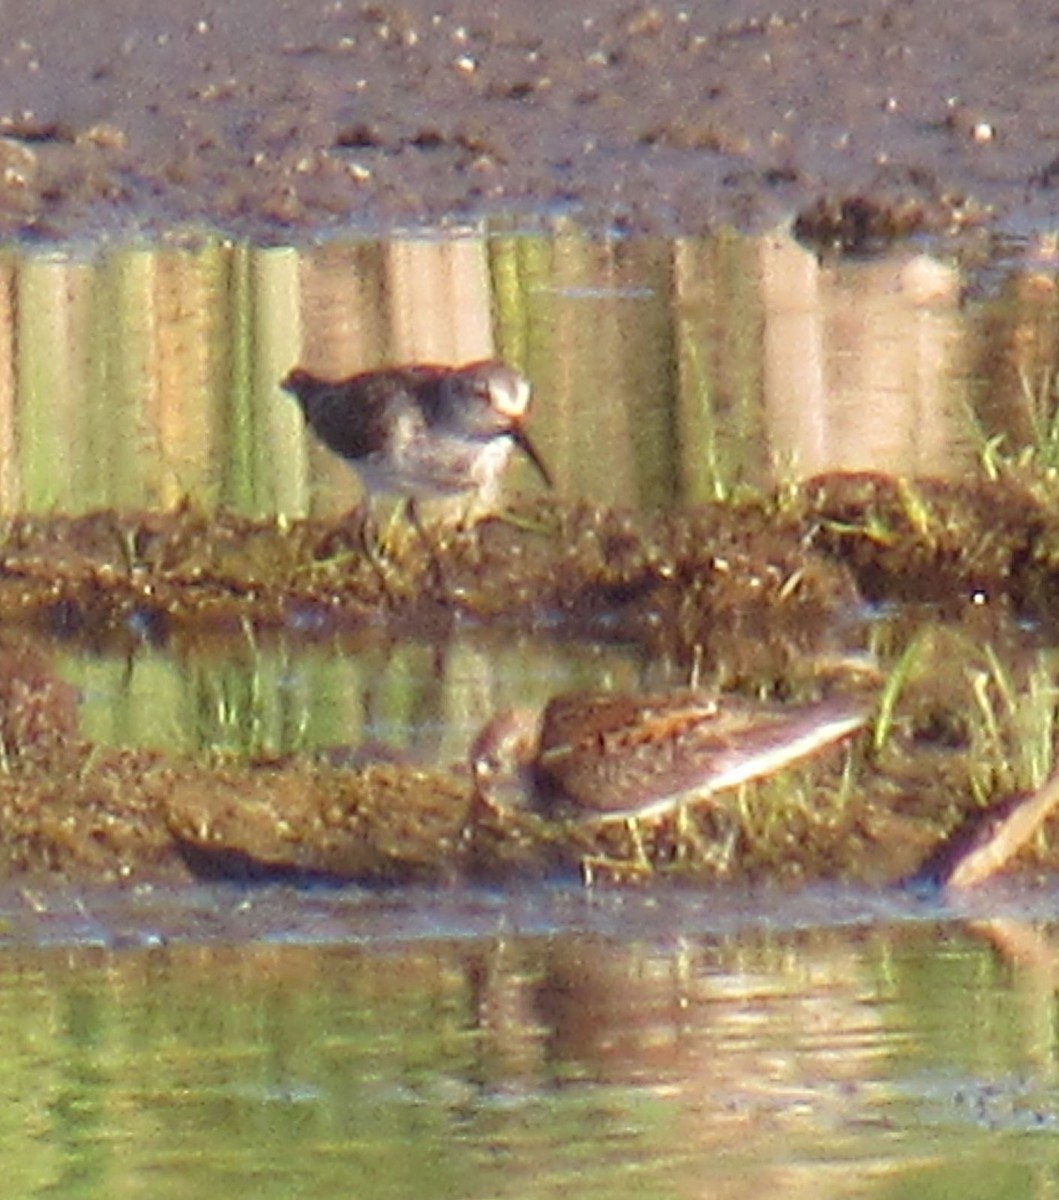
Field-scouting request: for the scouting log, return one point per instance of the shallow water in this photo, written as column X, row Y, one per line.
column 477, row 1044
column 190, row 1041
column 665, row 372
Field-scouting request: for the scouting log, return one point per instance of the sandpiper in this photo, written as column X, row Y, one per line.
column 617, row 757
column 421, row 431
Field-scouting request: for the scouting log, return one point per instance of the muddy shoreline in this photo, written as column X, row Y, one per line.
column 276, row 120
column 279, row 122
column 755, row 591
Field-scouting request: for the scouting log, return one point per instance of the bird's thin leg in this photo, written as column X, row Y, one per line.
column 371, row 548
column 379, row 547
column 429, row 544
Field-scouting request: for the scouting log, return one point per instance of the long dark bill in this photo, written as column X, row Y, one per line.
column 522, row 440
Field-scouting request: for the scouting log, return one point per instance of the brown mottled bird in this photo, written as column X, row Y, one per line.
column 423, row 431
column 616, row 757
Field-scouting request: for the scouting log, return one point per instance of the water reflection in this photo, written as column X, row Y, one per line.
column 905, row 1056
column 862, row 364
column 330, row 1056
column 665, row 372
column 352, row 698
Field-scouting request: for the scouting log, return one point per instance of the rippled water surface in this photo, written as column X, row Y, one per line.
column 206, row 1042
column 338, row 1043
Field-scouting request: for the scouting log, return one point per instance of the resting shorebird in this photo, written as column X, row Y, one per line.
column 423, row 432
column 618, row 757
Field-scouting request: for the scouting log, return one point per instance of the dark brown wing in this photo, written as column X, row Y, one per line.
column 615, row 753
column 626, row 757
column 353, row 416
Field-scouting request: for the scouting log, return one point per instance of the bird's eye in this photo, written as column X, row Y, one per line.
column 492, row 761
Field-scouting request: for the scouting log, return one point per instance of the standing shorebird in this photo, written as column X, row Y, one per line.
column 423, row 432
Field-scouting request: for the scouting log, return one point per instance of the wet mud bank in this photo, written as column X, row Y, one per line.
column 765, row 599
column 273, row 119
column 280, row 122
column 836, row 542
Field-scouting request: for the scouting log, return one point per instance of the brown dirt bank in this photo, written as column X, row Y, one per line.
column 749, row 596
column 274, row 118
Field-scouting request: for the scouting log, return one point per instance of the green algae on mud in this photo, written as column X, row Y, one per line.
column 752, row 597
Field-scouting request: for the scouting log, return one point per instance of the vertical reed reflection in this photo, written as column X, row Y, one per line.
column 592, row 316
column 861, row 364
column 1014, row 367
column 10, row 468
column 719, row 316
column 665, row 373
column 52, row 335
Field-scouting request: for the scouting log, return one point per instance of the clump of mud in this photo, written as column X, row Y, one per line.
column 754, row 590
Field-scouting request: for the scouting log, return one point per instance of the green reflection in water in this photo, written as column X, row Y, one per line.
column 279, row 695
column 665, row 372
column 523, row 1068
column 274, row 1072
